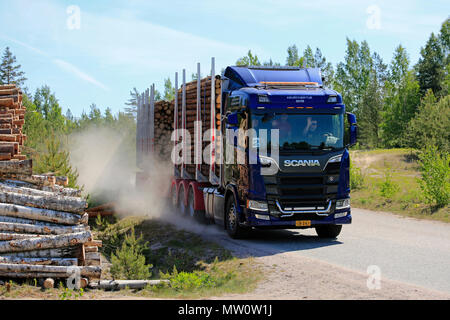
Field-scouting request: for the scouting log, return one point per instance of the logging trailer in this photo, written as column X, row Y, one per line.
column 270, row 149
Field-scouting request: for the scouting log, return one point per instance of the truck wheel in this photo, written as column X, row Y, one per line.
column 198, row 215
column 328, row 231
column 173, row 201
column 231, row 221
column 181, row 205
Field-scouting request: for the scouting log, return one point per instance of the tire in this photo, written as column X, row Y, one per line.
column 181, row 206
column 173, row 201
column 234, row 230
column 328, row 231
column 198, row 215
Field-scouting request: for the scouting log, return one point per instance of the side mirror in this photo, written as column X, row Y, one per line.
column 351, row 118
column 232, row 120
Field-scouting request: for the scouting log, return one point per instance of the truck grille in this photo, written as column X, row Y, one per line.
column 302, row 191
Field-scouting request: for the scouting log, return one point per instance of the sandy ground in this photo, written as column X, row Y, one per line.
column 290, row 277
column 412, row 255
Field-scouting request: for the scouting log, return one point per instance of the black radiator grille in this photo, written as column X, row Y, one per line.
column 303, row 190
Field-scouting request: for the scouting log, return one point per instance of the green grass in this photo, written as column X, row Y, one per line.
column 406, row 198
column 195, row 267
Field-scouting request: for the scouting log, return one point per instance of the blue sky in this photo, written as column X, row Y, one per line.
column 124, row 44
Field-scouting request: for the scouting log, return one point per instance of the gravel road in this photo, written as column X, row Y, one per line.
column 409, row 257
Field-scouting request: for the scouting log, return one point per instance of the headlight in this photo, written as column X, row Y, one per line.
column 257, row 205
column 340, row 215
column 335, row 159
column 332, row 99
column 265, row 161
column 342, row 204
column 263, row 98
column 262, row 216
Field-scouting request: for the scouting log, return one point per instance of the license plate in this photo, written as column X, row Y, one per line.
column 303, row 223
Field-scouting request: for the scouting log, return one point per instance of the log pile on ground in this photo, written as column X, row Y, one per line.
column 12, row 118
column 44, row 230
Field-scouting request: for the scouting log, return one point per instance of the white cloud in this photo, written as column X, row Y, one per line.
column 70, row 68
column 64, row 65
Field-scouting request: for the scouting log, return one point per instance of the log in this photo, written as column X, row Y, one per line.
column 6, row 236
column 5, row 156
column 49, row 283
column 8, row 86
column 37, row 229
column 6, row 102
column 122, row 284
column 18, row 167
column 45, row 242
column 92, row 262
column 14, row 210
column 57, row 203
column 69, row 192
column 40, row 261
column 67, row 252
column 6, row 149
column 41, row 223
column 7, row 137
column 19, row 157
column 91, row 249
column 93, row 243
column 92, row 255
column 84, row 282
column 65, row 271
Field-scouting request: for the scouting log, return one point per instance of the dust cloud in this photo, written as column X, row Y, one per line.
column 106, row 164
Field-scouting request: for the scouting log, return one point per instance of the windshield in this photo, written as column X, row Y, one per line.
column 302, row 131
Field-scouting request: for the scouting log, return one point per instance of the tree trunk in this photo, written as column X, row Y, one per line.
column 40, row 261
column 6, row 236
column 35, row 222
column 33, row 179
column 58, row 203
column 36, row 229
column 67, row 252
column 63, row 271
column 14, row 210
column 46, row 242
column 68, row 192
column 17, row 167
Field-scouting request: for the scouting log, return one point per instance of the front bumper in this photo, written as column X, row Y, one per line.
column 275, row 222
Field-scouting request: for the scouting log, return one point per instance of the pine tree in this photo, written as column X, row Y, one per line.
column 9, row 72
column 169, row 90
column 431, row 67
column 248, row 60
column 293, row 59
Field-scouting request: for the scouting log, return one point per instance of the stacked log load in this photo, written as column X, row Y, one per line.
column 205, row 112
column 164, row 125
column 12, row 118
column 44, row 230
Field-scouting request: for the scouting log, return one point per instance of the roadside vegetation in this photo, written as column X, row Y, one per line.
column 403, row 181
column 138, row 248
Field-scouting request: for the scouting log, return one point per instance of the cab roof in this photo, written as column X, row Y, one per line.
column 254, row 76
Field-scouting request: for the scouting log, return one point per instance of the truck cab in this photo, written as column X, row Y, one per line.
column 294, row 169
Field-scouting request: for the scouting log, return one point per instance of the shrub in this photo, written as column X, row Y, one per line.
column 388, row 187
column 357, row 179
column 435, row 176
column 129, row 262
